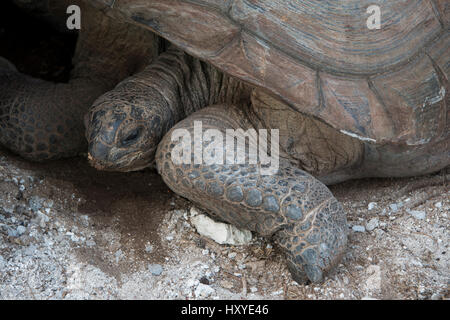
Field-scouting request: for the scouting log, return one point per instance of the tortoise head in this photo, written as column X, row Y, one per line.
column 122, row 135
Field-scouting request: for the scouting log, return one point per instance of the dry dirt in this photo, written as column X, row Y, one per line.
column 68, row 231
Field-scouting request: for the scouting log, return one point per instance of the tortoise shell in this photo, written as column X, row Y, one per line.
column 386, row 85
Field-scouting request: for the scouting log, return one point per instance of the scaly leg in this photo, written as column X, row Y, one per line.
column 291, row 206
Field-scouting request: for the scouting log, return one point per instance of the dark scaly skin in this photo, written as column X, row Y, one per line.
column 41, row 120
column 293, row 207
column 39, row 128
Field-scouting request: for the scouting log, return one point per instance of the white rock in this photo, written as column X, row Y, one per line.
column 394, row 207
column 372, row 224
column 2, row 262
column 203, row 291
column 277, row 293
column 155, row 269
column 21, row 230
column 192, row 282
column 436, row 296
column 438, row 204
column 417, row 214
column 221, row 233
column 373, row 282
column 118, row 255
column 372, row 205
column 148, row 248
column 358, row 229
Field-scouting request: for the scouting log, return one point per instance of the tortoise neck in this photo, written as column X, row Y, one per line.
column 188, row 84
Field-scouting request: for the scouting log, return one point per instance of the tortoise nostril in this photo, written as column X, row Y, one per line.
column 131, row 137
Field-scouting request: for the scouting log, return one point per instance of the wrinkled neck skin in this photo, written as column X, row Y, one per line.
column 185, row 85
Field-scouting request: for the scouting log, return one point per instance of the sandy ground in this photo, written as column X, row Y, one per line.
column 68, row 231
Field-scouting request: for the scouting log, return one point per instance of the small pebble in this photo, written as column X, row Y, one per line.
column 155, row 269
column 226, row 284
column 436, row 296
column 372, row 205
column 118, row 255
column 358, row 228
column 372, row 224
column 204, row 280
column 192, row 283
column 394, row 207
column 277, row 293
column 35, row 203
column 203, row 291
column 90, row 243
column 417, row 214
column 21, row 230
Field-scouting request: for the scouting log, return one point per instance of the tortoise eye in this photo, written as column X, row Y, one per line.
column 132, row 137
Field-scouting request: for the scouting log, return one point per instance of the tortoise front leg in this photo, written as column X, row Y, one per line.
column 291, row 206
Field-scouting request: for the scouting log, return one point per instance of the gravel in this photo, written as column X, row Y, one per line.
column 60, row 239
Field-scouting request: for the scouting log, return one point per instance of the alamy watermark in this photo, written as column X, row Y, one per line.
column 74, row 20
column 374, row 20
column 237, row 147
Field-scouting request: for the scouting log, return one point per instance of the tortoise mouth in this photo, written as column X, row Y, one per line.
column 129, row 162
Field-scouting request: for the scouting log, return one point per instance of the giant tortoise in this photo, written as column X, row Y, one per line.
column 346, row 101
